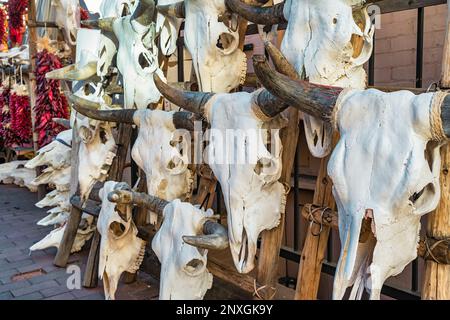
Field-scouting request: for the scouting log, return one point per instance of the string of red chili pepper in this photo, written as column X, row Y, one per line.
column 21, row 116
column 16, row 10
column 50, row 102
column 9, row 137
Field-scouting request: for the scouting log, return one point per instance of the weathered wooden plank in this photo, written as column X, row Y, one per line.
column 388, row 6
column 90, row 279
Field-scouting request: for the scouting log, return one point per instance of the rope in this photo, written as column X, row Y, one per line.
column 313, row 221
column 429, row 249
column 437, row 130
column 337, row 107
column 257, row 290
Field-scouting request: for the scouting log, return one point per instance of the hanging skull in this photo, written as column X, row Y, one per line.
column 213, row 36
column 56, row 154
column 120, row 248
column 383, row 170
column 167, row 27
column 54, row 238
column 108, row 42
column 181, row 244
column 68, row 18
column 246, row 170
column 137, row 56
column 157, row 148
column 327, row 42
column 60, row 178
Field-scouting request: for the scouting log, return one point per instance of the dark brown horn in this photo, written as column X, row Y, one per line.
column 189, row 100
column 90, row 110
column 280, row 62
column 144, row 12
column 105, row 24
column 142, row 200
column 215, row 237
column 445, row 115
column 259, row 15
column 176, row 10
column 313, row 99
column 185, row 120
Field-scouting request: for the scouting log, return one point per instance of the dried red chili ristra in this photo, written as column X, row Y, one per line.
column 16, row 10
column 21, row 117
column 50, row 102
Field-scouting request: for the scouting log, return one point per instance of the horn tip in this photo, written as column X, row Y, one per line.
column 113, row 197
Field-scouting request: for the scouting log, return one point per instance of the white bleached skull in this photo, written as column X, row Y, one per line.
column 56, row 154
column 55, row 199
column 60, row 178
column 168, row 28
column 137, row 60
column 68, row 18
column 108, row 42
column 219, row 64
column 56, row 216
column 97, row 152
column 7, row 169
column 327, row 42
column 120, row 248
column 247, row 171
column 156, row 153
column 184, row 275
column 384, row 169
column 54, row 238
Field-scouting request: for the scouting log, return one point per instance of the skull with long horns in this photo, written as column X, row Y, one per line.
column 384, row 170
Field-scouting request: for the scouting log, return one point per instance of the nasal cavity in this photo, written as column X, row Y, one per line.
column 367, row 227
column 226, row 43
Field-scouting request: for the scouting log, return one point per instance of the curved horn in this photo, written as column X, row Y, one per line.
column 280, row 62
column 144, row 12
column 62, row 122
column 90, row 110
column 105, row 24
column 185, row 120
column 259, row 15
column 313, row 99
column 176, row 10
column 215, row 237
column 189, row 100
column 74, row 73
column 142, row 200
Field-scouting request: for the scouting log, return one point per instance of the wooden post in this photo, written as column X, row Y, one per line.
column 437, row 276
column 32, row 41
column 314, row 249
column 269, row 253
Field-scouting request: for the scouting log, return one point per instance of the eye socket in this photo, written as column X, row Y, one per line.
column 417, row 195
column 103, row 136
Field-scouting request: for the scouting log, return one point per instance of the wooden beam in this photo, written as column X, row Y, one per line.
column 41, row 24
column 388, row 6
column 437, row 276
column 316, row 241
column 32, row 42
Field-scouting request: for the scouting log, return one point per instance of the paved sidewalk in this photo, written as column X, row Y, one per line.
column 34, row 277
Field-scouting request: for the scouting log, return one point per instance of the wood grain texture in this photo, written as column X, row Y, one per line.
column 437, row 276
column 314, row 249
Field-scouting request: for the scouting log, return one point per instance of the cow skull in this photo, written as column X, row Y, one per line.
column 327, row 42
column 120, row 248
column 213, row 36
column 156, row 148
column 108, row 42
column 55, row 199
column 54, row 238
column 181, row 244
column 68, row 18
column 56, row 154
column 56, row 216
column 253, row 196
column 60, row 178
column 384, row 170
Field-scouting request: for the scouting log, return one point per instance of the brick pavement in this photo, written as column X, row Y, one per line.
column 18, row 231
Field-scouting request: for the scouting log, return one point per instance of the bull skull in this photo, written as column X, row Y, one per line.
column 155, row 150
column 56, row 154
column 383, row 170
column 327, row 42
column 181, row 244
column 253, row 196
column 213, row 37
column 68, row 18
column 54, row 238
column 120, row 248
